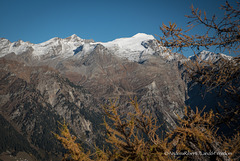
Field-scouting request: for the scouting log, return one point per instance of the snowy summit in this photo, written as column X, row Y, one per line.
column 131, row 48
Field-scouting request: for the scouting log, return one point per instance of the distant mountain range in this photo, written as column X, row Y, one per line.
column 69, row 79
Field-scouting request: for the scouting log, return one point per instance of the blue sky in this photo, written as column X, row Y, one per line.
column 101, row 20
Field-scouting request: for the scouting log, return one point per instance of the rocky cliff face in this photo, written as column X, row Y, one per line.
column 35, row 99
column 68, row 79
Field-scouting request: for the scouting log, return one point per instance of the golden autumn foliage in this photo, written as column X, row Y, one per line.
column 68, row 141
column 136, row 137
column 132, row 137
column 222, row 75
column 222, row 33
column 233, row 145
column 193, row 128
column 196, row 134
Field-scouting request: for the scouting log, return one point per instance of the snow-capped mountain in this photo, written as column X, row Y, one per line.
column 209, row 56
column 67, row 79
column 53, row 47
column 133, row 48
column 137, row 48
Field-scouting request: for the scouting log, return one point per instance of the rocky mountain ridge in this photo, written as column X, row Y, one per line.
column 134, row 48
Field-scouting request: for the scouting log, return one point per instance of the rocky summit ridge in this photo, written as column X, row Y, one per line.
column 134, row 48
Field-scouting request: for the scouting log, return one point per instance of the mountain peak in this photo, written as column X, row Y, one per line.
column 143, row 35
column 73, row 37
column 3, row 40
column 136, row 39
column 130, row 47
column 205, row 55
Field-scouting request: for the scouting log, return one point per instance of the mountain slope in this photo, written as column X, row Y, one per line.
column 69, row 79
column 34, row 99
